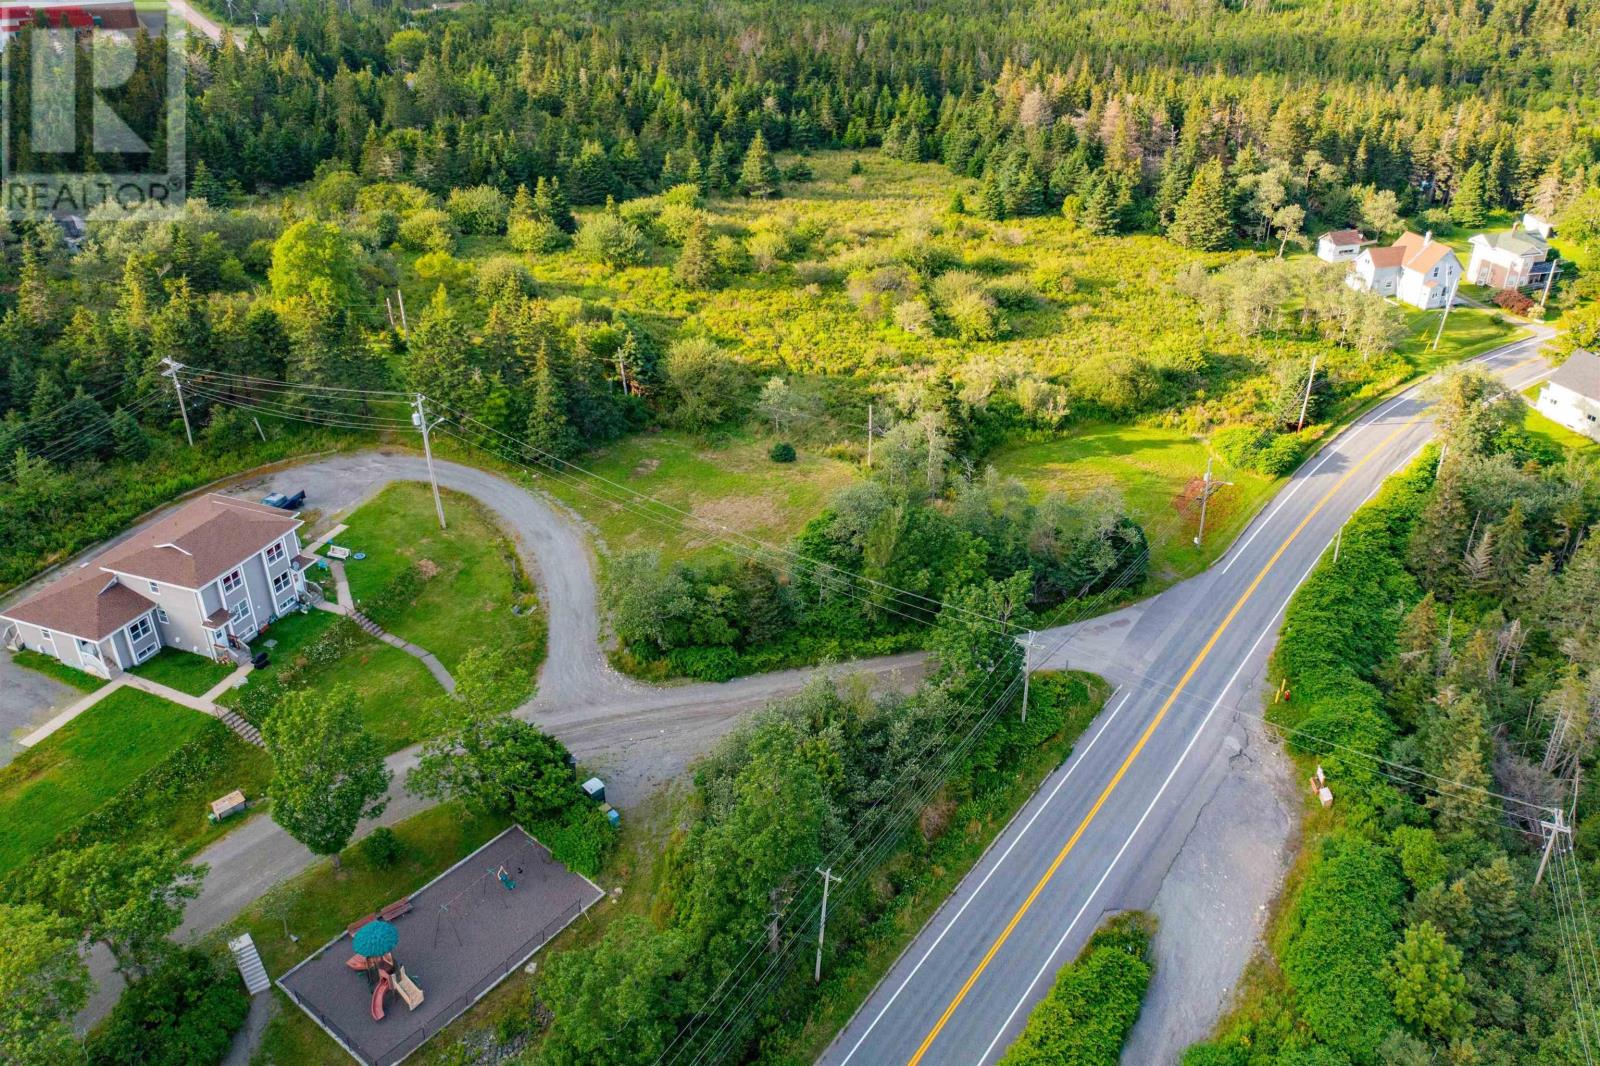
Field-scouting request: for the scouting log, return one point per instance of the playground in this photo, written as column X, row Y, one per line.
column 395, row 978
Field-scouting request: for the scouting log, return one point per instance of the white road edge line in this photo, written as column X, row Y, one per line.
column 1335, row 448
column 1147, row 811
column 1000, row 861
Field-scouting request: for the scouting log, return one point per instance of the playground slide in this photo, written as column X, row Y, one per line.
column 408, row 990
column 378, row 994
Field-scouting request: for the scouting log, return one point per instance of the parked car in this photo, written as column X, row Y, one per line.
column 287, row 503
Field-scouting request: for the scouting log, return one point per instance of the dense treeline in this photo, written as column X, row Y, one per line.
column 1448, row 658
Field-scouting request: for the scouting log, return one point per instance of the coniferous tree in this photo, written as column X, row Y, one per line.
column 719, row 166
column 696, row 267
column 991, row 198
column 1098, row 213
column 758, row 176
column 130, row 439
column 1469, row 206
column 550, row 204
column 590, row 177
column 1202, row 221
column 522, row 205
column 548, row 430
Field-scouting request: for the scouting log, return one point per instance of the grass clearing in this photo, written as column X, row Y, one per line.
column 1152, row 467
column 184, row 671
column 1469, row 332
column 49, row 666
column 448, row 590
column 1553, row 432
column 83, row 764
column 732, row 484
column 393, row 690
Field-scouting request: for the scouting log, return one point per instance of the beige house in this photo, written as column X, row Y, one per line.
column 1417, row 270
column 1340, row 245
column 1511, row 260
column 1572, row 395
column 205, row 579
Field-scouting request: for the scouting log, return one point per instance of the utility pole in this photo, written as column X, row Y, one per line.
column 419, row 418
column 1338, row 539
column 1305, row 402
column 1027, row 670
column 1450, row 301
column 1205, row 498
column 401, row 296
column 171, row 371
column 869, row 436
column 1549, row 279
column 822, row 926
column 1553, row 828
column 388, row 305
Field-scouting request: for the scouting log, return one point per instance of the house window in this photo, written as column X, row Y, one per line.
column 282, row 581
column 139, row 630
column 161, row 613
column 241, row 610
column 232, row 581
column 45, row 634
column 155, row 587
column 275, row 552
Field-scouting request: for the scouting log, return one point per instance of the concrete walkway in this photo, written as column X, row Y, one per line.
column 204, row 704
column 347, row 607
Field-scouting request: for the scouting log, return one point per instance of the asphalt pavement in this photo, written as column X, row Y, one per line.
column 1103, row 830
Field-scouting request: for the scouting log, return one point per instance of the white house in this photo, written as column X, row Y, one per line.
column 1417, row 270
column 1340, row 245
column 1511, row 260
column 1572, row 395
column 1535, row 224
column 206, row 578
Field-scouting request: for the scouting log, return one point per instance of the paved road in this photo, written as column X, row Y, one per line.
column 1101, row 833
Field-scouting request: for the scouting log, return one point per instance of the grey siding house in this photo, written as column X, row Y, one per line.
column 205, row 579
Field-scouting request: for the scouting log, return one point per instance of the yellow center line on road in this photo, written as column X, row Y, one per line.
column 1138, row 747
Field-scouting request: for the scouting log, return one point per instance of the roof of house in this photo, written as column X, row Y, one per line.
column 1421, row 253
column 199, row 543
column 1580, row 373
column 1344, row 237
column 1386, row 258
column 191, row 547
column 1517, row 242
column 89, row 603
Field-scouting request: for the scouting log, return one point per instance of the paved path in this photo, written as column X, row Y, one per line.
column 1103, row 831
column 346, row 606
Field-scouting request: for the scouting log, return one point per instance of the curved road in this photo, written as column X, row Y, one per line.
column 1102, row 831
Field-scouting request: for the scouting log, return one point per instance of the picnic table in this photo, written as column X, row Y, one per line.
column 335, row 551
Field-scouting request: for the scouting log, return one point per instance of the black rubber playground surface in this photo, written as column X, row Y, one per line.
column 464, row 934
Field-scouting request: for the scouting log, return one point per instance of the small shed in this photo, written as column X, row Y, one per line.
column 230, row 804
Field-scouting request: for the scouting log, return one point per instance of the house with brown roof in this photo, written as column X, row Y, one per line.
column 206, row 578
column 1417, row 270
column 1341, row 245
column 1572, row 395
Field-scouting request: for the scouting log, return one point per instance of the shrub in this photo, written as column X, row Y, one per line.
column 782, row 452
column 579, row 839
column 675, row 221
column 396, row 196
column 442, row 268
column 427, row 230
column 610, row 240
column 504, row 275
column 1518, row 303
column 183, row 1014
column 797, row 171
column 481, row 209
column 536, row 236
column 1094, row 1003
column 382, row 848
column 915, row 317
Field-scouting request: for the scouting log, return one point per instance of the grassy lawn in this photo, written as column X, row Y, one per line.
column 1539, row 426
column 733, row 484
column 464, row 579
column 1470, row 332
column 83, row 764
column 1151, row 466
column 53, row 667
column 393, row 689
column 184, row 671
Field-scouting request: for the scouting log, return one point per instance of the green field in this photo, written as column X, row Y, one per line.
column 184, row 671
column 460, row 583
column 732, row 486
column 1469, row 332
column 1543, row 428
column 394, row 690
column 1152, row 467
column 83, row 764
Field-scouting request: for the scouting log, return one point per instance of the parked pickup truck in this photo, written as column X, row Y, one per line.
column 288, row 503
